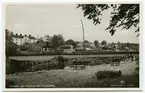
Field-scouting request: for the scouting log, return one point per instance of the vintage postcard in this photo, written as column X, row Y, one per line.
column 72, row 46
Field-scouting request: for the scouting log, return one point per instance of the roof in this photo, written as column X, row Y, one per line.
column 67, row 46
column 22, row 36
column 32, row 37
column 102, row 46
column 17, row 36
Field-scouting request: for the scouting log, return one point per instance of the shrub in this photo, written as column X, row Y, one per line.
column 94, row 63
column 13, row 66
column 108, row 74
column 9, row 83
column 61, row 62
column 8, row 68
column 129, row 81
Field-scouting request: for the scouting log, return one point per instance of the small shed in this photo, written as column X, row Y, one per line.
column 46, row 48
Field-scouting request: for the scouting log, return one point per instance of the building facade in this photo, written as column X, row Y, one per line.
column 21, row 39
column 68, row 49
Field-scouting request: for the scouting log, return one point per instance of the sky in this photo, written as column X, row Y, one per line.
column 64, row 19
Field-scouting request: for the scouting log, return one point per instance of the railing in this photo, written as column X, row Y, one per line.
column 79, row 53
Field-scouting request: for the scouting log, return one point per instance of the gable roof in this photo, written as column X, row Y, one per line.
column 17, row 36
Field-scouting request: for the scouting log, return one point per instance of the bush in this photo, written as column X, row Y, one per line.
column 108, row 74
column 130, row 81
column 61, row 62
column 14, row 66
column 9, row 83
column 94, row 63
column 8, row 68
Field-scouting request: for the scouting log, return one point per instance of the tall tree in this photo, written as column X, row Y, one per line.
column 104, row 42
column 119, row 45
column 96, row 42
column 86, row 41
column 71, row 42
column 11, row 47
column 61, row 40
column 125, row 16
column 57, row 41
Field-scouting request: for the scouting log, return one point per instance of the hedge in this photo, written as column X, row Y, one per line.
column 108, row 74
column 14, row 66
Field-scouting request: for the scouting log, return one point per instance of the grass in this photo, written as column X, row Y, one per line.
column 129, row 82
column 72, row 78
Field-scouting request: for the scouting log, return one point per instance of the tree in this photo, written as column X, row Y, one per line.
column 31, row 47
column 57, row 41
column 47, row 38
column 113, row 46
column 96, row 42
column 119, row 45
column 40, row 40
column 125, row 16
column 86, row 41
column 128, row 45
column 71, row 42
column 11, row 47
column 9, row 35
column 122, row 46
column 61, row 40
column 104, row 42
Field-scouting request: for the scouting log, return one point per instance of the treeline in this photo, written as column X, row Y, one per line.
column 55, row 44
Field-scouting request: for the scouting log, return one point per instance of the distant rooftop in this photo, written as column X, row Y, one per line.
column 22, row 36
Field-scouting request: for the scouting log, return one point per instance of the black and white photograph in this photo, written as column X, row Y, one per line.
column 74, row 45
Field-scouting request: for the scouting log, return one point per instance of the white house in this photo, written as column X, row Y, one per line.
column 46, row 38
column 46, row 48
column 87, row 46
column 21, row 39
column 68, row 49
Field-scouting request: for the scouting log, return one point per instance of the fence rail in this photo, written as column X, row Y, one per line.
column 86, row 53
column 48, row 57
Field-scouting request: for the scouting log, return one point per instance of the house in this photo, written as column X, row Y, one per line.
column 86, row 45
column 21, row 39
column 46, row 38
column 79, row 47
column 46, row 48
column 80, row 44
column 92, row 46
column 88, row 49
column 68, row 49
